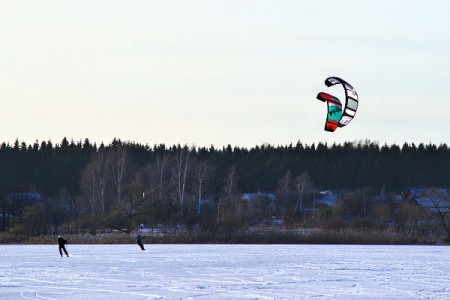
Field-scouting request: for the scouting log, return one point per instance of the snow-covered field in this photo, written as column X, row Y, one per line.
column 225, row 272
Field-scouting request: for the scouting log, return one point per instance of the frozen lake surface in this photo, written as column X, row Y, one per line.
column 225, row 272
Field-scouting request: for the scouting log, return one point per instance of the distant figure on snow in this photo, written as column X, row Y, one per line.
column 139, row 241
column 61, row 243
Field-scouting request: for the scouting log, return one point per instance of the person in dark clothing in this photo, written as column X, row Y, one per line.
column 61, row 243
column 139, row 241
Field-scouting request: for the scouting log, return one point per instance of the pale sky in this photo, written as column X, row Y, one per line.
column 222, row 71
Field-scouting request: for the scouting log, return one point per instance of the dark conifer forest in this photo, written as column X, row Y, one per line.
column 121, row 185
column 47, row 167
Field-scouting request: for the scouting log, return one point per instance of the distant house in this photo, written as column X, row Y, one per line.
column 432, row 205
column 28, row 197
column 261, row 201
column 21, row 199
column 5, row 220
column 326, row 199
column 259, row 196
column 7, row 217
column 434, row 200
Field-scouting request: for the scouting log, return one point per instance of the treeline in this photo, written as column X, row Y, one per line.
column 123, row 184
column 48, row 167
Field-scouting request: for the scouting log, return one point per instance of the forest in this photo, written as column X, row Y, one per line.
column 83, row 186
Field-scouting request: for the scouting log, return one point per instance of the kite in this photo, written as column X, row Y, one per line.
column 339, row 116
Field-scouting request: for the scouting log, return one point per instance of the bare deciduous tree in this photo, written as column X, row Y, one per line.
column 408, row 216
column 88, row 188
column 229, row 202
column 129, row 213
column 182, row 169
column 101, row 168
column 441, row 205
column 303, row 184
column 94, row 180
column 203, row 171
column 285, row 192
column 119, row 169
column 162, row 166
column 284, row 185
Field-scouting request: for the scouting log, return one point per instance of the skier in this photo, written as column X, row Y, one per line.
column 139, row 241
column 61, row 243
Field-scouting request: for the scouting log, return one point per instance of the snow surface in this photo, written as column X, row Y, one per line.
column 225, row 272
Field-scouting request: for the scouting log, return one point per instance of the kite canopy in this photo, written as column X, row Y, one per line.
column 334, row 111
column 345, row 114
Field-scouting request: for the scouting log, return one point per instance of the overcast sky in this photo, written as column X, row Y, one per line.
column 222, row 71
